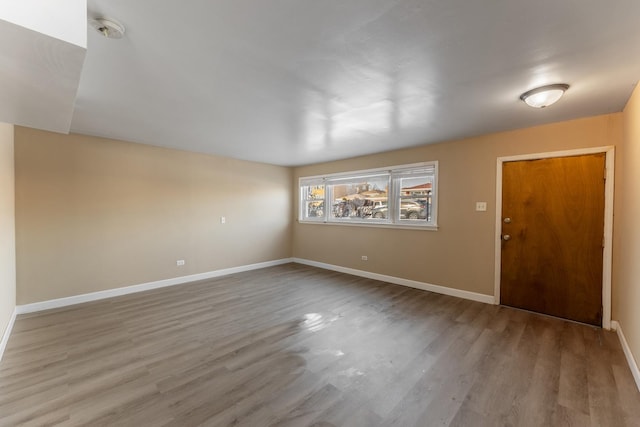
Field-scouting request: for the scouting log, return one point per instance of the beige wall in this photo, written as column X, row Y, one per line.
column 7, row 234
column 627, row 248
column 95, row 214
column 461, row 253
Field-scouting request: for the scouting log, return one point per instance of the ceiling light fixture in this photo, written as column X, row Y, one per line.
column 544, row 96
column 108, row 28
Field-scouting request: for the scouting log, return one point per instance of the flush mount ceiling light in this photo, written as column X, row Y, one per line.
column 544, row 96
column 108, row 28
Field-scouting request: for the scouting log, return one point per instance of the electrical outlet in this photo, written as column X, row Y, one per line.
column 365, row 258
column 180, row 262
column 481, row 206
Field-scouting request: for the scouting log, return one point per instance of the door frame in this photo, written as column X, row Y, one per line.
column 607, row 252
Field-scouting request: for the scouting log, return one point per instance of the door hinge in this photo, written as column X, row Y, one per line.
column 605, row 174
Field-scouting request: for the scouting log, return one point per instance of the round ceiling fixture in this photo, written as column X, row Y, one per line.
column 108, row 28
column 544, row 96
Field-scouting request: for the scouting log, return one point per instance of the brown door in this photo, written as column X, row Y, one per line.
column 552, row 236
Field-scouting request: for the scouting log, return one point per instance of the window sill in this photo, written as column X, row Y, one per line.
column 373, row 225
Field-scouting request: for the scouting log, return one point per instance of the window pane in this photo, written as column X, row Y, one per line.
column 312, row 198
column 360, row 199
column 415, row 201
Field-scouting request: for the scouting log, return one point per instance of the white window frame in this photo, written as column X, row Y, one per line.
column 393, row 219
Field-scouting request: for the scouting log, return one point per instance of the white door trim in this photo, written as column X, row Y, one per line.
column 608, row 219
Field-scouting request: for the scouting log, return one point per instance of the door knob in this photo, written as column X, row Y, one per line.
column 507, row 220
column 506, row 237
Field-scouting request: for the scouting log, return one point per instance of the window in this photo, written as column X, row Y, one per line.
column 312, row 199
column 395, row 196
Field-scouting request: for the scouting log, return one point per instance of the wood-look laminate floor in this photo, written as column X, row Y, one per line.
column 298, row 346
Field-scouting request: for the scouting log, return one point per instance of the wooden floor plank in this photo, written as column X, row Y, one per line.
column 299, row 346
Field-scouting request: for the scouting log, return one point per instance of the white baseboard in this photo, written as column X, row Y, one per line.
column 7, row 333
column 627, row 352
column 487, row 299
column 110, row 293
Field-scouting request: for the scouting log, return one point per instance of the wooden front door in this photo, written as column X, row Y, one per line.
column 552, row 236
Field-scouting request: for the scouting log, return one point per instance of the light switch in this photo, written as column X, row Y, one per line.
column 481, row 206
column 223, row 220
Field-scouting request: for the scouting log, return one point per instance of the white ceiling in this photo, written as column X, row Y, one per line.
column 294, row 82
column 42, row 50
